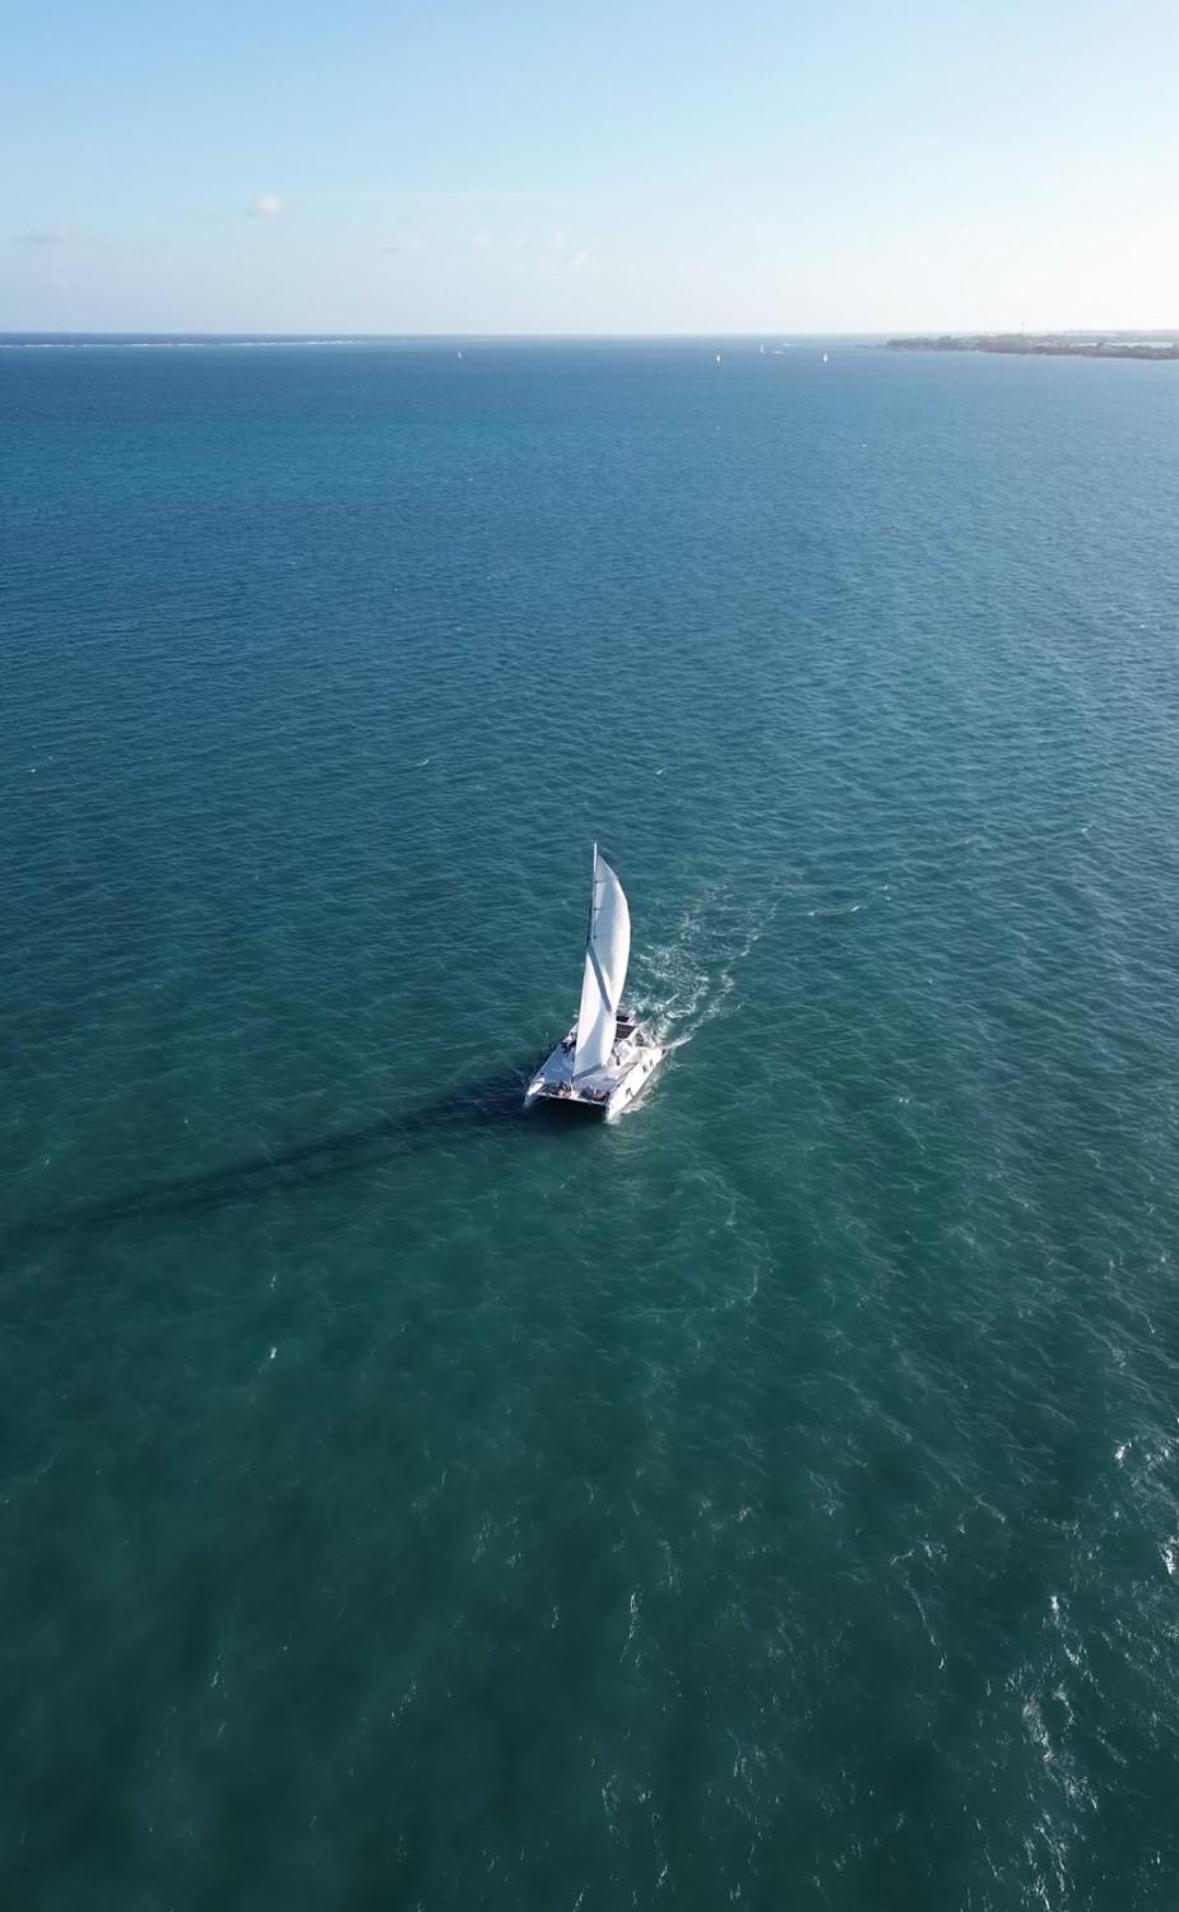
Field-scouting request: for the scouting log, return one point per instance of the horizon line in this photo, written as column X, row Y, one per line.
column 329, row 333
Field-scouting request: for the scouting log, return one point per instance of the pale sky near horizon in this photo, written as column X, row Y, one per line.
column 551, row 167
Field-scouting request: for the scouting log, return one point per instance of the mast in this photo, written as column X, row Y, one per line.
column 593, row 908
column 606, row 957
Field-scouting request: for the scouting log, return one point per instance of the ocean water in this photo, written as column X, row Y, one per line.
column 771, row 1500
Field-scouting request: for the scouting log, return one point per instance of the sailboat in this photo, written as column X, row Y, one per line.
column 607, row 1055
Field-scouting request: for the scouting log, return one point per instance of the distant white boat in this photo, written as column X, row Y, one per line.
column 607, row 1055
column 825, row 358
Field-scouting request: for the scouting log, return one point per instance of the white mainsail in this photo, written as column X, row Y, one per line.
column 606, row 957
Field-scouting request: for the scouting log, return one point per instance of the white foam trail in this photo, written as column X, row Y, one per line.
column 688, row 981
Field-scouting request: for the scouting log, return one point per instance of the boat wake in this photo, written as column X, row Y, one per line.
column 690, row 979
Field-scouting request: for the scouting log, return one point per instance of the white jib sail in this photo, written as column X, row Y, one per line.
column 606, row 957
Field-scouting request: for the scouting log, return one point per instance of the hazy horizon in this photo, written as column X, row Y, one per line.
column 870, row 169
column 762, row 334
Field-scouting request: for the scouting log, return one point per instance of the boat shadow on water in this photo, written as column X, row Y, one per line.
column 472, row 1109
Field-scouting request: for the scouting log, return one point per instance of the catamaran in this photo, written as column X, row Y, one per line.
column 607, row 1055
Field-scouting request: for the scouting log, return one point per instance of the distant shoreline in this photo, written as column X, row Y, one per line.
column 1048, row 345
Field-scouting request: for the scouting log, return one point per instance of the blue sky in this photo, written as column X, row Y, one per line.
column 556, row 167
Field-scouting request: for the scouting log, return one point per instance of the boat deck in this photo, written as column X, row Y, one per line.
column 554, row 1078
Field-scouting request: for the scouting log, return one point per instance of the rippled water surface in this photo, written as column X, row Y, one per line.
column 770, row 1500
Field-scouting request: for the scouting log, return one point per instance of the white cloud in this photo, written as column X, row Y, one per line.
column 580, row 262
column 267, row 206
column 483, row 241
column 45, row 236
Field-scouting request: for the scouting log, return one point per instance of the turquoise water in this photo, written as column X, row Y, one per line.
column 771, row 1500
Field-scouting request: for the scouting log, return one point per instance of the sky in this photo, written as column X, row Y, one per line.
column 540, row 166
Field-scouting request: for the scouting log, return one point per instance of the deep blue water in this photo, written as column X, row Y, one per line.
column 771, row 1500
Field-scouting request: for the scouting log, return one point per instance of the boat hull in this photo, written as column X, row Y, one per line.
column 609, row 1092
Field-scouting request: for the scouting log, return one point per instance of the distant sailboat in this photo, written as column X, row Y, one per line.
column 607, row 1056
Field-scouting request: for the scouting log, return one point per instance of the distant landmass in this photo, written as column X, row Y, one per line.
column 1134, row 345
